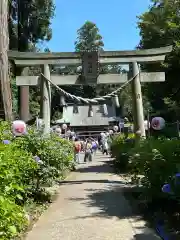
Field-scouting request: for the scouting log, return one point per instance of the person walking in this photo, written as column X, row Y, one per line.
column 77, row 150
column 105, row 145
column 94, row 146
column 88, row 151
column 100, row 142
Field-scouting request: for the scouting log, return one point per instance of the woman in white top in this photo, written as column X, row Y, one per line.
column 105, row 145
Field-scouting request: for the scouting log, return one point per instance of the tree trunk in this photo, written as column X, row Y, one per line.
column 23, row 98
column 4, row 67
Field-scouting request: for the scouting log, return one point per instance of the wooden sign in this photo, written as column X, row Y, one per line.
column 90, row 66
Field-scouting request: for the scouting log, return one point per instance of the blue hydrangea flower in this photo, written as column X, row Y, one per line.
column 6, row 142
column 177, row 178
column 160, row 230
column 166, row 188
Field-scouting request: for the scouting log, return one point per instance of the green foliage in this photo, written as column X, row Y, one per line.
column 156, row 161
column 169, row 131
column 5, row 131
column 88, row 38
column 34, row 20
column 152, row 163
column 12, row 219
column 160, row 27
column 29, row 26
column 17, row 168
column 54, row 152
column 120, row 150
column 28, row 166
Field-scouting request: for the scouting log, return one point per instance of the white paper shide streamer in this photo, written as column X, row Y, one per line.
column 105, row 109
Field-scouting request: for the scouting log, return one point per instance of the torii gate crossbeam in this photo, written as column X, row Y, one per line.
column 133, row 58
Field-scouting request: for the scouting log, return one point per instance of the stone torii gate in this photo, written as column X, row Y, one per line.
column 90, row 62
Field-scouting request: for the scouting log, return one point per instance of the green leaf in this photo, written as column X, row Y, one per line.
column 7, row 188
column 19, row 197
column 12, row 229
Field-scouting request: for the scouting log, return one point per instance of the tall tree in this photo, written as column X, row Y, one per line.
column 5, row 91
column 88, row 38
column 29, row 22
column 159, row 27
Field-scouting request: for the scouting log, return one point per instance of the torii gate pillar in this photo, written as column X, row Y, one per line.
column 24, row 97
column 45, row 106
column 138, row 113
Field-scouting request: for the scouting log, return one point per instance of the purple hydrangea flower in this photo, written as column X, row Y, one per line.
column 38, row 160
column 166, row 188
column 6, row 142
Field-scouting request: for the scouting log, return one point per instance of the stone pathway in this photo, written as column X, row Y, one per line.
column 91, row 206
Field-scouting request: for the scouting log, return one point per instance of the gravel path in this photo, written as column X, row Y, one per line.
column 91, row 206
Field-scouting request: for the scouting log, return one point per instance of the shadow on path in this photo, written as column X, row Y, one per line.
column 104, row 168
column 90, row 181
column 92, row 204
column 110, row 202
column 145, row 236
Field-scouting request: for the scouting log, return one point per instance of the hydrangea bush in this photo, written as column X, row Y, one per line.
column 152, row 162
column 155, row 165
column 28, row 164
column 156, row 161
column 120, row 151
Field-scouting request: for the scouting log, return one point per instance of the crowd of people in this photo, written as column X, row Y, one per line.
column 90, row 146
